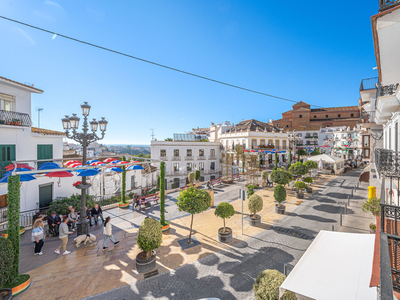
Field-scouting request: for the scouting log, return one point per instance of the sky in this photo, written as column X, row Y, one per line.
column 316, row 52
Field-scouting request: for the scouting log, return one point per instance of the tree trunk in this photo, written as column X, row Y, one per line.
column 190, row 233
column 148, row 254
column 224, row 226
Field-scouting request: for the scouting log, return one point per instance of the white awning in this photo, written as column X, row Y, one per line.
column 336, row 266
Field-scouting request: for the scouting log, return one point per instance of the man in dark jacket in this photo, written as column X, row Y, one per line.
column 54, row 221
column 96, row 213
column 89, row 216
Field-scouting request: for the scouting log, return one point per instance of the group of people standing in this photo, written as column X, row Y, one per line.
column 60, row 227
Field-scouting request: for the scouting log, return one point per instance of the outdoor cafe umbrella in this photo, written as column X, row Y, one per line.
column 107, row 160
column 74, row 165
column 92, row 161
column 115, row 161
column 88, row 172
column 59, row 174
column 97, row 163
column 8, row 173
column 48, row 166
column 320, row 165
column 72, row 162
column 117, row 169
column 135, row 167
column 12, row 166
column 22, row 178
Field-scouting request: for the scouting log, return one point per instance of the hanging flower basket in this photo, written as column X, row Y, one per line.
column 81, row 186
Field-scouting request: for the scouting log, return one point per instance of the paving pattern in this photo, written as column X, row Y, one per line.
column 231, row 272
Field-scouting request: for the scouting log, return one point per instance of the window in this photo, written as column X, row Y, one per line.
column 44, row 152
column 189, row 167
column 188, row 152
column 277, row 144
column 176, row 183
column 6, row 102
column 176, row 152
column 201, row 151
column 3, row 201
column 212, row 152
column 366, row 153
column 326, row 116
column 300, row 116
column 201, row 178
column 163, row 153
column 132, row 181
column 254, row 144
column 176, row 167
column 212, row 165
column 201, row 166
column 284, row 145
column 338, row 115
column 212, row 177
column 7, row 155
column 352, row 115
column 7, row 105
column 287, row 125
column 315, row 117
column 365, row 141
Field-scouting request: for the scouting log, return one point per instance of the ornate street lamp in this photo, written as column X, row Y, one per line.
column 84, row 138
column 294, row 138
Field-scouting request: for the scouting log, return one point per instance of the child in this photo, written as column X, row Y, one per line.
column 108, row 233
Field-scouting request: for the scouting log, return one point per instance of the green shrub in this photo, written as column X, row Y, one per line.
column 281, row 177
column 298, row 169
column 255, row 204
column 300, row 185
column 130, row 195
column 153, row 191
column 264, row 175
column 6, row 261
column 250, row 191
column 123, row 187
column 191, row 177
column 162, row 194
column 267, row 286
column 197, row 175
column 311, row 164
column 372, row 205
column 13, row 196
column 308, row 180
column 149, row 236
column 193, row 201
column 280, row 194
column 224, row 210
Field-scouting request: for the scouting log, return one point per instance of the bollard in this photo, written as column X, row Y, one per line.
column 351, row 193
column 333, row 227
column 345, row 209
column 348, row 200
column 285, row 269
column 340, row 220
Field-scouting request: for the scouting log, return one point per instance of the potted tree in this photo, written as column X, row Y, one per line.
column 6, row 266
column 298, row 169
column 267, row 286
column 308, row 181
column 310, row 164
column 149, row 238
column 300, row 186
column 191, row 177
column 372, row 205
column 255, row 204
column 280, row 176
column 197, row 176
column 164, row 224
column 264, row 177
column 280, row 196
column 193, row 201
column 224, row 210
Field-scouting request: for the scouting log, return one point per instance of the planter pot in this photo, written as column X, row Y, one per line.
column 23, row 284
column 227, row 181
column 123, row 205
column 309, row 190
column 145, row 265
column 83, row 186
column 21, row 232
column 5, row 294
column 254, row 221
column 165, row 228
column 299, row 195
column 280, row 209
column 225, row 237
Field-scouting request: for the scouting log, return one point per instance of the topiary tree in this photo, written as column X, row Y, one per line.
column 308, row 180
column 298, row 169
column 149, row 236
column 267, row 286
column 276, row 160
column 191, row 177
column 162, row 194
column 311, row 165
column 224, row 210
column 13, row 197
column 193, row 201
column 280, row 194
column 6, row 261
column 250, row 190
column 197, row 175
column 264, row 175
column 372, row 205
column 300, row 185
column 123, row 194
column 280, row 176
column 255, row 204
column 290, row 157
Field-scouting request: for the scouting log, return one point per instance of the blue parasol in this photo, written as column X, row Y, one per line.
column 135, row 167
column 91, row 161
column 22, row 178
column 88, row 172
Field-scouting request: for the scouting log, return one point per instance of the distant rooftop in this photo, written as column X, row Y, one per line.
column 21, row 84
column 46, row 131
column 189, row 137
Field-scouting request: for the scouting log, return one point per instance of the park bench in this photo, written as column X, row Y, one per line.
column 146, row 201
column 236, row 176
column 215, row 181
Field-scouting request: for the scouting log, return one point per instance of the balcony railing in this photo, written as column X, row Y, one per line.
column 163, row 158
column 201, row 157
column 211, row 157
column 387, row 163
column 176, row 158
column 369, row 84
column 311, row 137
column 387, row 4
column 15, row 118
column 189, row 157
column 388, row 90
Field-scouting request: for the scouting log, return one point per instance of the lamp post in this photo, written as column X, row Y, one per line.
column 84, row 138
column 293, row 138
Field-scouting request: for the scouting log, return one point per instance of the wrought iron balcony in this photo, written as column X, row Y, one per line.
column 212, row 157
column 163, row 158
column 189, row 157
column 15, row 118
column 387, row 163
column 387, row 4
column 388, row 90
column 201, row 157
column 176, row 158
column 369, row 84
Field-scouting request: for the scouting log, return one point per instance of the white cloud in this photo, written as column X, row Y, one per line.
column 26, row 35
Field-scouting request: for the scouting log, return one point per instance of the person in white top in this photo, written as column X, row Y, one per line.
column 108, row 233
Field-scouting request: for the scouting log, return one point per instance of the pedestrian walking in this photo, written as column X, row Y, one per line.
column 63, row 235
column 108, row 233
column 38, row 236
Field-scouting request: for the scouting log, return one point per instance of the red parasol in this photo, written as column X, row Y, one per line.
column 107, row 160
column 74, row 165
column 59, row 174
column 12, row 166
column 123, row 162
column 97, row 163
column 72, row 162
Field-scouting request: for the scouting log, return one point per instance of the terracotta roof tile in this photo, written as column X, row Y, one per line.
column 46, row 131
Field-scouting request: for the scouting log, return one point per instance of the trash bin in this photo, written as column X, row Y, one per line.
column 371, row 192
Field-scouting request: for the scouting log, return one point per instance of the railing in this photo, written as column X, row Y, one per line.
column 163, row 158
column 201, row 157
column 387, row 4
column 311, row 137
column 387, row 163
column 388, row 90
column 26, row 218
column 15, row 118
column 188, row 157
column 386, row 282
column 176, row 158
column 211, row 157
column 369, row 84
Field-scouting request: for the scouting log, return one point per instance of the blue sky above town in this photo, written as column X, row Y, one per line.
column 316, row 52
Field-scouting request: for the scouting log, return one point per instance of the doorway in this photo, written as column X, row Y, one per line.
column 45, row 195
